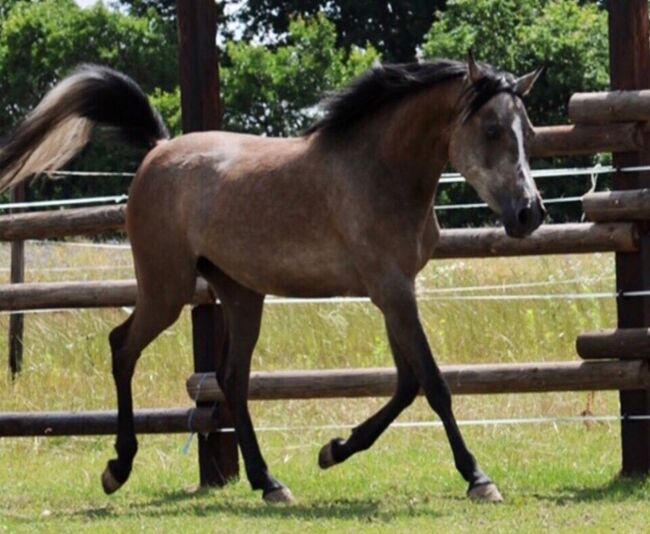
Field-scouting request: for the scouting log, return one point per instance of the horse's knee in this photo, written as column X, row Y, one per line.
column 440, row 399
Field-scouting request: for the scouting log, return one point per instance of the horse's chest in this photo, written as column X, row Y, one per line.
column 414, row 242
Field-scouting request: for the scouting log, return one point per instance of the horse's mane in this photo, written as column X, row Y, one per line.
column 387, row 84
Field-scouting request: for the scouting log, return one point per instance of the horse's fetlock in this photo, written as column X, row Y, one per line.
column 127, row 449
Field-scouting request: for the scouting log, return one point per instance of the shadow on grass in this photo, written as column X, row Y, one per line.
column 183, row 503
column 616, row 490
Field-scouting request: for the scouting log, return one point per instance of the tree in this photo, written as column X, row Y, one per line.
column 518, row 36
column 395, row 27
column 567, row 36
column 274, row 92
column 141, row 8
column 41, row 42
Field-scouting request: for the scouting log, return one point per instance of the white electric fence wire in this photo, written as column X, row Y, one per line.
column 453, row 298
column 73, row 269
column 446, row 178
column 474, row 205
column 468, row 422
column 116, row 199
column 504, row 286
column 112, row 246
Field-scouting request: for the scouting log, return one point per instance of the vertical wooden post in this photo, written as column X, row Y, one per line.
column 630, row 69
column 218, row 460
column 199, row 81
column 17, row 276
column 198, row 61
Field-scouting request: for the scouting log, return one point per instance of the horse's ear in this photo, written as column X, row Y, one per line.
column 525, row 83
column 473, row 68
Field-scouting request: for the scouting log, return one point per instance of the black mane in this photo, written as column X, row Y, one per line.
column 386, row 84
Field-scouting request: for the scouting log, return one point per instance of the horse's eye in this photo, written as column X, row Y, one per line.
column 492, row 132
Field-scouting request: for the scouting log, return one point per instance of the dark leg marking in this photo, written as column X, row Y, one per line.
column 363, row 436
column 243, row 310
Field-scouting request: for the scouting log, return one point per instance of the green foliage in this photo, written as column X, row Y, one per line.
column 141, row 8
column 518, row 36
column 394, row 28
column 169, row 105
column 41, row 42
column 273, row 92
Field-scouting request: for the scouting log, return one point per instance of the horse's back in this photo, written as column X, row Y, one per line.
column 258, row 208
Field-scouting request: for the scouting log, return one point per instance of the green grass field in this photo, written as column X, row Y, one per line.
column 555, row 477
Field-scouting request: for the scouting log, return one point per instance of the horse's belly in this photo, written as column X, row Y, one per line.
column 286, row 270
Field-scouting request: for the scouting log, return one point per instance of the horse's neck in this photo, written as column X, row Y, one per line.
column 412, row 139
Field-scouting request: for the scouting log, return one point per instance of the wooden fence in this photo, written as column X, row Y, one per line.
column 618, row 224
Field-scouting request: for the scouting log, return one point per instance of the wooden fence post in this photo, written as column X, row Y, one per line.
column 17, row 276
column 630, row 69
column 218, row 459
column 199, row 81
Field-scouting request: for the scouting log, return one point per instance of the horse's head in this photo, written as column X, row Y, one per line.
column 488, row 146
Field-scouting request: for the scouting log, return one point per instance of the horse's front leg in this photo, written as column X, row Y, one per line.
column 363, row 436
column 396, row 299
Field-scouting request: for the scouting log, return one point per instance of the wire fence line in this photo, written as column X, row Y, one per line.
column 585, row 419
column 446, row 178
column 365, row 300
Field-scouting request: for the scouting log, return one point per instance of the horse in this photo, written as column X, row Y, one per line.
column 346, row 208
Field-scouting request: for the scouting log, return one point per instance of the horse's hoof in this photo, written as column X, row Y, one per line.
column 326, row 456
column 279, row 496
column 485, row 493
column 109, row 482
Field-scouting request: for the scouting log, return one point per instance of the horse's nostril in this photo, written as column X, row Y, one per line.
column 523, row 217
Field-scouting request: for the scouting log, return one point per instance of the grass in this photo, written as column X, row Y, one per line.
column 555, row 477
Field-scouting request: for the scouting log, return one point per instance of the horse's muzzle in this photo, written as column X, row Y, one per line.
column 523, row 217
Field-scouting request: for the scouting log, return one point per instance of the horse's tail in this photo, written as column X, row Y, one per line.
column 60, row 126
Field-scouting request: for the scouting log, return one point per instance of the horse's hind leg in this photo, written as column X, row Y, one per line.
column 363, row 436
column 155, row 310
column 243, row 311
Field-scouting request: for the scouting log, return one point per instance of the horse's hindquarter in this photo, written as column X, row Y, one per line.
column 255, row 207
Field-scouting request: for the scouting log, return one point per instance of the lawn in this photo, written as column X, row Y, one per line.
column 554, row 476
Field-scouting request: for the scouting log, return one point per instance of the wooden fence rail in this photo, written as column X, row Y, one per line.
column 337, row 383
column 632, row 205
column 462, row 380
column 51, row 424
column 55, row 295
column 566, row 238
column 61, row 223
column 610, row 107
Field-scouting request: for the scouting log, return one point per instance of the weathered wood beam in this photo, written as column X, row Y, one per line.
column 69, row 222
column 570, row 139
column 462, row 379
column 606, row 206
column 623, row 343
column 54, row 295
column 571, row 238
column 50, row 424
column 629, row 69
column 610, row 106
